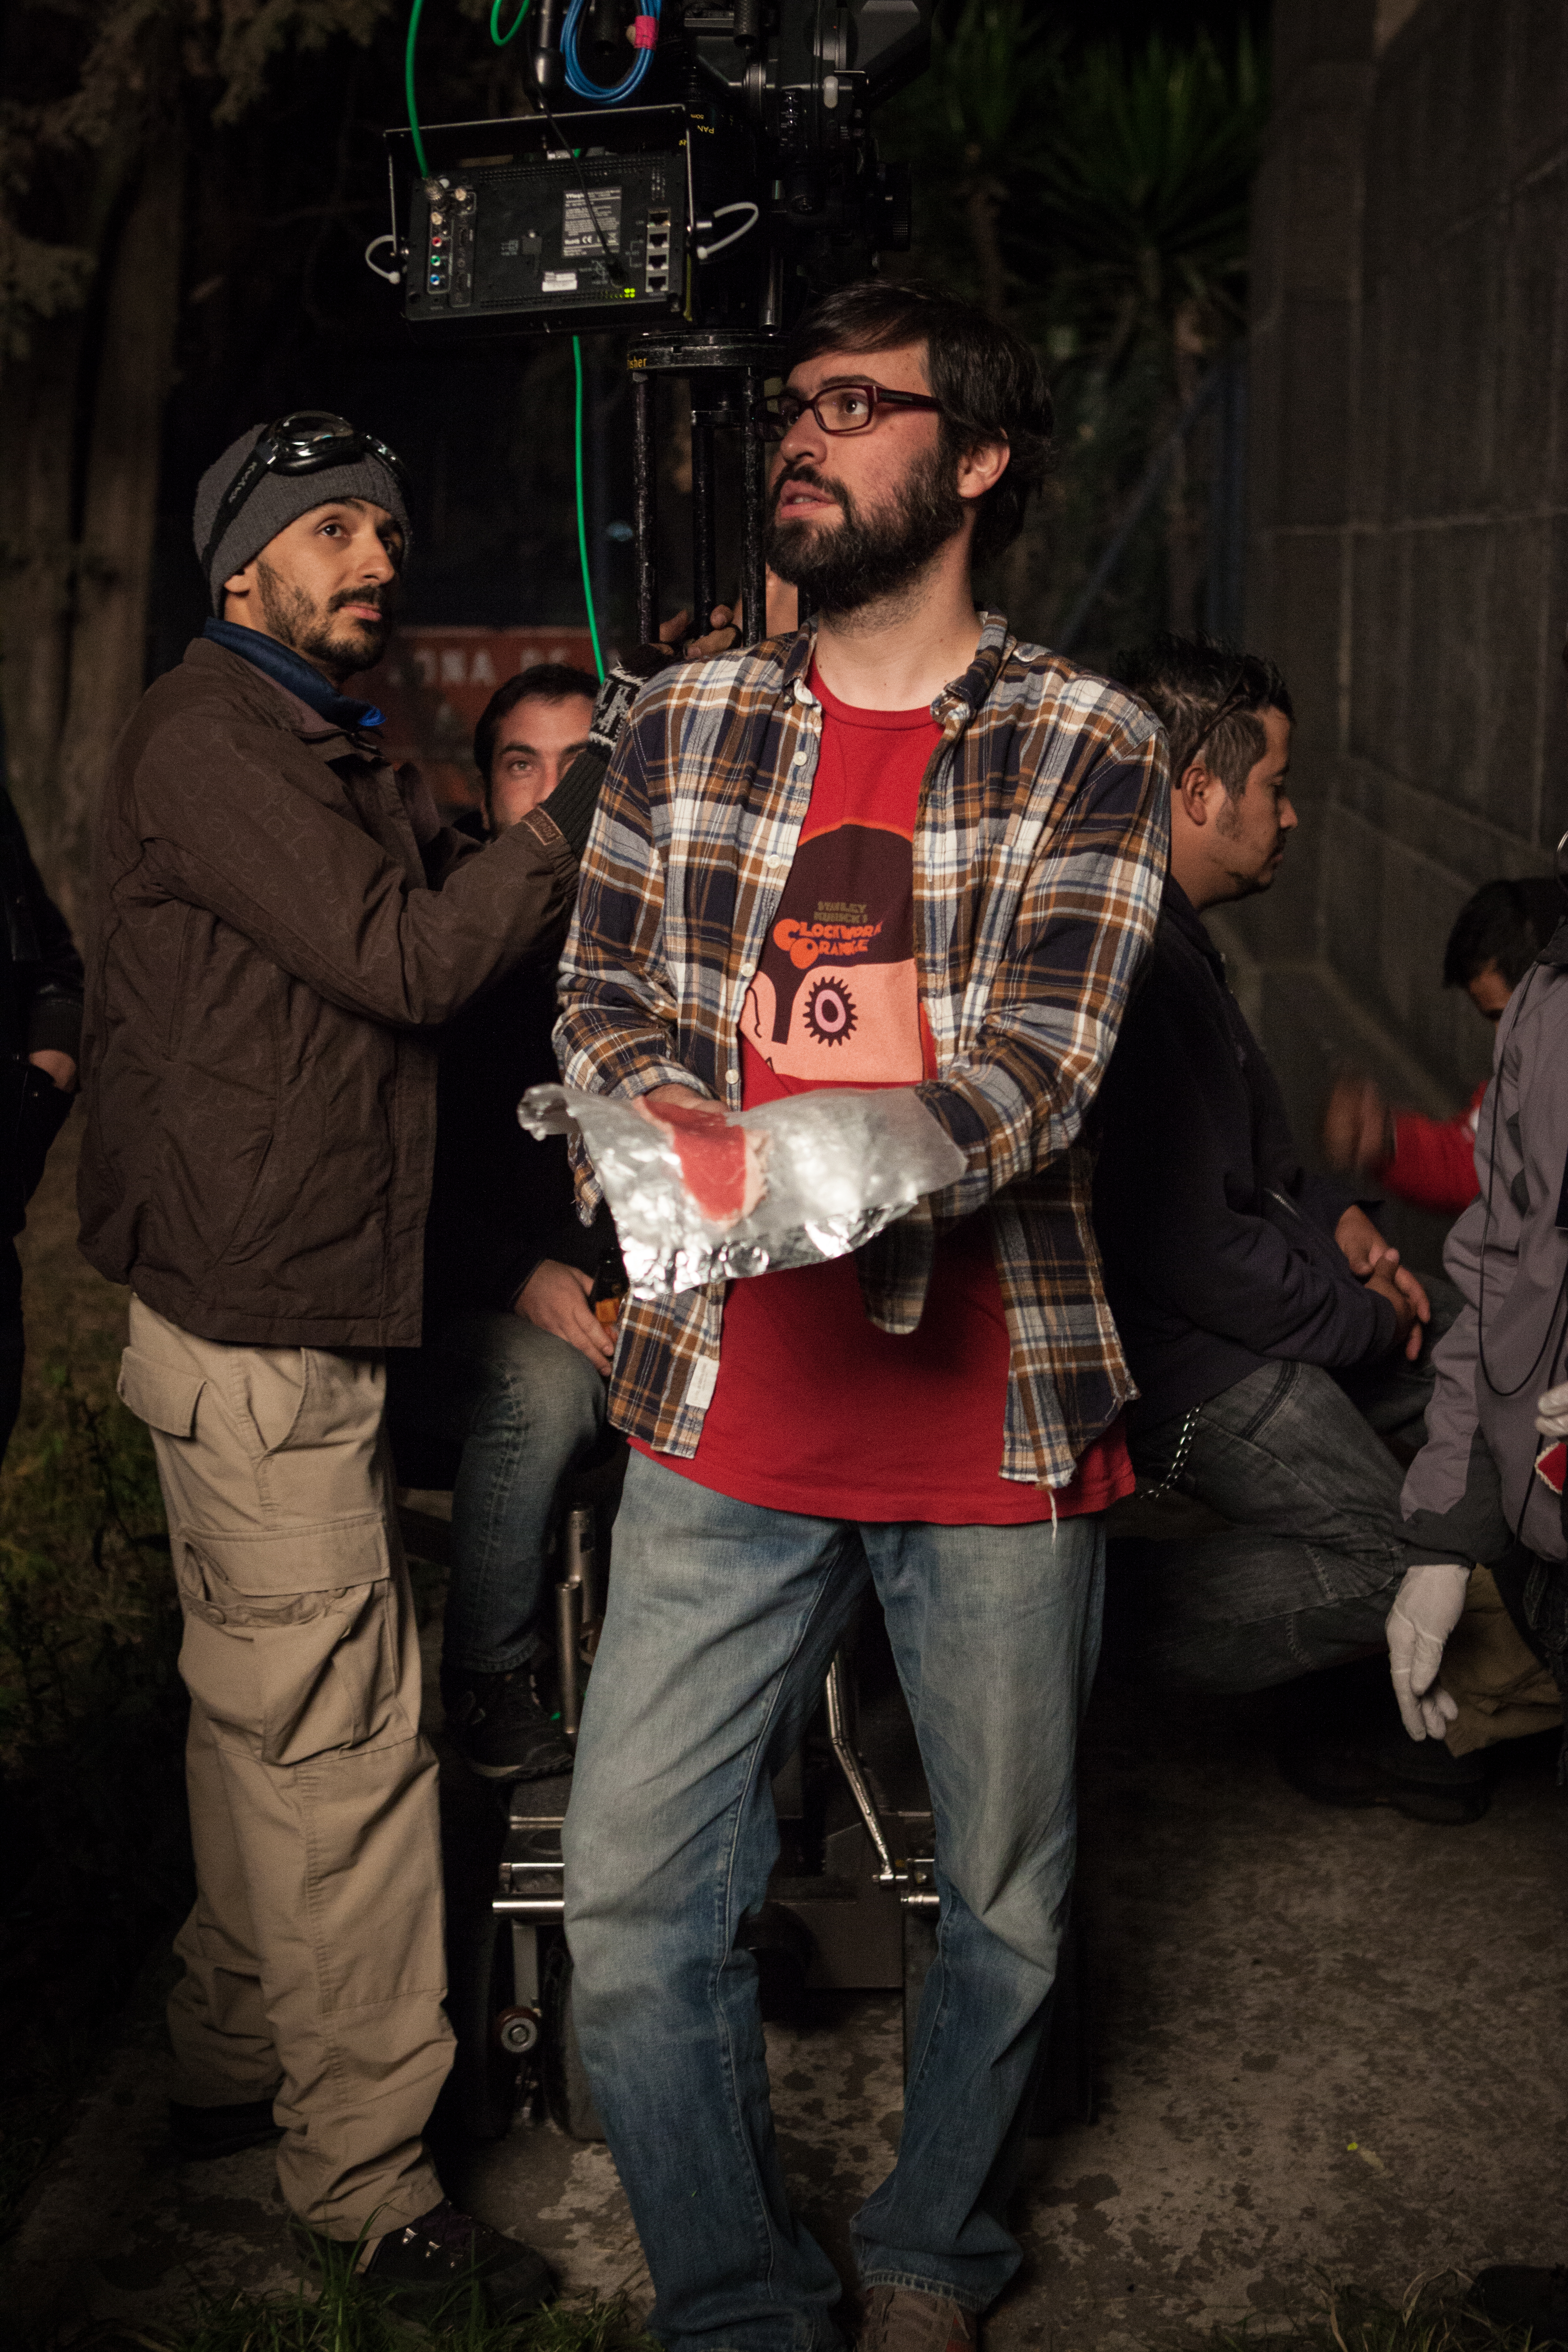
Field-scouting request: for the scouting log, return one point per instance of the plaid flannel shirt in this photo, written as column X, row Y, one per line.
column 1040, row 852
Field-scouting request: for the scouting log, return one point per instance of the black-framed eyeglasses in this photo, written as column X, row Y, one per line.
column 306, row 441
column 838, row 408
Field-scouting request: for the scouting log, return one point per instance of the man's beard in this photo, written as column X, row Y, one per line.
column 296, row 620
column 844, row 566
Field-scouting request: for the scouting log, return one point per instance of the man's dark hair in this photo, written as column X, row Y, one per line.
column 989, row 385
column 1207, row 697
column 1505, row 923
column 545, row 682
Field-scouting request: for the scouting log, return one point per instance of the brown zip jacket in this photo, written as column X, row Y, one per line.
column 269, row 959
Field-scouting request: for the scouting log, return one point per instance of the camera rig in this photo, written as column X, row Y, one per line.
column 697, row 222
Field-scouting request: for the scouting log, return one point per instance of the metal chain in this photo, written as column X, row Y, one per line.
column 1178, row 1460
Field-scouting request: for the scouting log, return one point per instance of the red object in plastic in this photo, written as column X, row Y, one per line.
column 1551, row 1466
column 712, row 1156
column 644, row 32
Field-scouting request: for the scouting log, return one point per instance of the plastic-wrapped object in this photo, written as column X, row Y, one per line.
column 698, row 1193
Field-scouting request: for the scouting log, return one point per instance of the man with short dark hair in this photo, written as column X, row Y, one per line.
column 896, row 849
column 1272, row 1331
column 1431, row 1162
column 532, row 728
column 512, row 1368
column 281, row 925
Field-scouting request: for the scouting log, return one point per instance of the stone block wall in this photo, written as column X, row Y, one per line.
column 1408, row 507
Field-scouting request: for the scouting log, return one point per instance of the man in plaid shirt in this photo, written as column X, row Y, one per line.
column 897, row 850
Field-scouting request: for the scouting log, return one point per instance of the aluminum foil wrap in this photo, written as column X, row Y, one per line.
column 823, row 1171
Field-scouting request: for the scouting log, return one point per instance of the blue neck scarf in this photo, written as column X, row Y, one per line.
column 293, row 670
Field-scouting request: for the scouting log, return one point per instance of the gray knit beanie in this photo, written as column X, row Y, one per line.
column 279, row 499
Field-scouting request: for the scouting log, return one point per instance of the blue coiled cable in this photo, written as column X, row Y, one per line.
column 578, row 82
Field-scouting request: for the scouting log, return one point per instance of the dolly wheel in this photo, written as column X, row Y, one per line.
column 480, row 1998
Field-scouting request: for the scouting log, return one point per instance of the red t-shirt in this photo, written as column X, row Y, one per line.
column 815, row 1408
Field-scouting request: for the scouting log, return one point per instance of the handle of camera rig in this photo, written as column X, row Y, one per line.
column 727, row 373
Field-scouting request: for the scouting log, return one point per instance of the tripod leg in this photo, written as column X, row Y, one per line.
column 645, row 495
column 704, row 559
column 753, row 513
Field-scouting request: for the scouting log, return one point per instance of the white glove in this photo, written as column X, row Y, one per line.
column 1426, row 1607
column 1552, row 1411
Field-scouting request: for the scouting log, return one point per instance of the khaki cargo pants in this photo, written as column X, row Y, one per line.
column 313, row 1957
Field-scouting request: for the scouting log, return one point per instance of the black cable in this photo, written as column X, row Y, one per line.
column 613, row 260
column 1549, row 1342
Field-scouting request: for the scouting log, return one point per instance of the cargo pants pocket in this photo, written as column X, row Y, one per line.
column 291, row 1645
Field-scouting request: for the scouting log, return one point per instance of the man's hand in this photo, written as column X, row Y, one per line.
column 1551, row 1407
column 421, row 809
column 554, row 1298
column 1358, row 1125
column 1378, row 1262
column 687, row 1095
column 1426, row 1607
column 1362, row 1242
column 722, row 631
column 1385, row 1280
column 57, row 1066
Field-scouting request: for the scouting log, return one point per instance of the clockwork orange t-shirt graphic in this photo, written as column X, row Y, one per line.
column 835, row 1001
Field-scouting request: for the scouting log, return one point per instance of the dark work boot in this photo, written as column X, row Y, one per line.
column 444, row 2254
column 1346, row 1746
column 199, row 2133
column 500, row 1727
column 1426, row 1784
column 903, row 2319
column 437, row 2265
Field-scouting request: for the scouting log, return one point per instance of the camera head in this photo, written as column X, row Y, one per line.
column 728, row 177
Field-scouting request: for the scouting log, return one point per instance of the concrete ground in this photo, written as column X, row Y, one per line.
column 1329, row 2045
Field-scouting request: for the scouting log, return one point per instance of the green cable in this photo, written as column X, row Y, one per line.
column 415, row 13
column 501, row 40
column 414, row 16
column 581, row 515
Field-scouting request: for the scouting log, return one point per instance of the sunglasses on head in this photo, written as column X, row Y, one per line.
column 306, row 441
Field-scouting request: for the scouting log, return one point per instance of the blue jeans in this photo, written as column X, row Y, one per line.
column 723, row 1618
column 525, row 1407
column 1308, row 1568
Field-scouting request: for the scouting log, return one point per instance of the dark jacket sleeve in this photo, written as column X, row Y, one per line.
column 568, row 1242
column 1173, row 1180
column 233, row 818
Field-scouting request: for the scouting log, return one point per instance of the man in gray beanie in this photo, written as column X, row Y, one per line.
column 281, row 925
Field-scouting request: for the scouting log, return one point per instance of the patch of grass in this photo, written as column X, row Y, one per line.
column 1434, row 2316
column 348, row 2316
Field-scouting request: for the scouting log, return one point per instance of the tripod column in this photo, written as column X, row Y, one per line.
column 645, row 505
column 704, row 558
column 753, row 507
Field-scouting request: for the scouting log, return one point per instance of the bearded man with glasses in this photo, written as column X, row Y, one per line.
column 281, row 925
column 898, row 848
